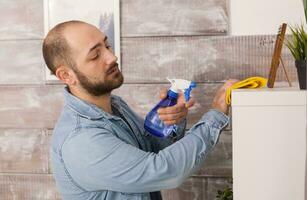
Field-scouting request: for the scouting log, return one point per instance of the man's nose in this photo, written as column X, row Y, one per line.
column 111, row 58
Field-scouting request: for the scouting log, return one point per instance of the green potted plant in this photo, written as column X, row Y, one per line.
column 226, row 194
column 297, row 45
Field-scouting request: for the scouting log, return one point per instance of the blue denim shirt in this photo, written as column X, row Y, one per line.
column 96, row 155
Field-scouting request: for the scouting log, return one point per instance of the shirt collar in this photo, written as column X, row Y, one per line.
column 86, row 109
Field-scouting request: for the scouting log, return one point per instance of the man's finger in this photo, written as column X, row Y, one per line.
column 163, row 93
column 176, row 116
column 230, row 82
column 171, row 122
column 172, row 109
column 190, row 103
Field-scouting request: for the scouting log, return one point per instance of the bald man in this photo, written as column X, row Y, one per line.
column 100, row 149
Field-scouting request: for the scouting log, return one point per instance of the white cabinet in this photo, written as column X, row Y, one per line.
column 269, row 144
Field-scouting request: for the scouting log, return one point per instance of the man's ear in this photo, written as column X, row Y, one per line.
column 66, row 75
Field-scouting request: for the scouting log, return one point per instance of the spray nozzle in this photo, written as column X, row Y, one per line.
column 182, row 85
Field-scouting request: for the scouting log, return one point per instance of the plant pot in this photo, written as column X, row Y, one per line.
column 301, row 66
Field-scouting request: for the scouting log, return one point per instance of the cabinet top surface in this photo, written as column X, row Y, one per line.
column 275, row 89
column 269, row 96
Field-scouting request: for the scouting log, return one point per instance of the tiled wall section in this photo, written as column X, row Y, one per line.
column 28, row 186
column 174, row 17
column 21, row 62
column 200, row 58
column 21, row 19
column 186, row 39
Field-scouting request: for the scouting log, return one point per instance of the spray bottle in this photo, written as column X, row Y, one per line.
column 153, row 124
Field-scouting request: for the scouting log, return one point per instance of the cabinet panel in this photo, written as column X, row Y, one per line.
column 269, row 147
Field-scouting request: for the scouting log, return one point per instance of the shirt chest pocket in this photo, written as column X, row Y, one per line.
column 122, row 131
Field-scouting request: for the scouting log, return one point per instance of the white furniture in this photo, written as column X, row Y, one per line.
column 269, row 144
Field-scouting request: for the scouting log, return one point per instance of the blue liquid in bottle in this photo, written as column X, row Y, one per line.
column 153, row 124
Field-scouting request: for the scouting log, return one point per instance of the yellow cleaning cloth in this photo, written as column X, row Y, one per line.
column 252, row 83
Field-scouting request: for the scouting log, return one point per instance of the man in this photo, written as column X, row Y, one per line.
column 100, row 149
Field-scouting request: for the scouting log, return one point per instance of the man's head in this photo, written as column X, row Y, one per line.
column 79, row 55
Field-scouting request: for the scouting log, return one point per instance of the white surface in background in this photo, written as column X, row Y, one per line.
column 269, row 144
column 263, row 17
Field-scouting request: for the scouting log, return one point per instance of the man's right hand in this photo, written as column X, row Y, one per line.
column 219, row 101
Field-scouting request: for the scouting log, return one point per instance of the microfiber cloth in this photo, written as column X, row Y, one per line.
column 251, row 83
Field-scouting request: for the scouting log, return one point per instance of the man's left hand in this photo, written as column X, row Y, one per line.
column 175, row 114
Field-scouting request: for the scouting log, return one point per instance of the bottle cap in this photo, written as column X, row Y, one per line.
column 182, row 85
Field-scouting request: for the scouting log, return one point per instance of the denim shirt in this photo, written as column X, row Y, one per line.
column 97, row 155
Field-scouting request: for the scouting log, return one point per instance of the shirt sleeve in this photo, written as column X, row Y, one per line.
column 101, row 161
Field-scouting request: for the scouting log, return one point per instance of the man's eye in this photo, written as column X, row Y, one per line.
column 97, row 56
column 108, row 46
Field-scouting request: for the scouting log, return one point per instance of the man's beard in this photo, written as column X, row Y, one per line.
column 99, row 88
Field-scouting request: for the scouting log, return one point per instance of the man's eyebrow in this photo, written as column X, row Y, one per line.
column 98, row 44
column 94, row 47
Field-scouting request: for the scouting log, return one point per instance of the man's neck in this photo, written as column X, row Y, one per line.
column 103, row 101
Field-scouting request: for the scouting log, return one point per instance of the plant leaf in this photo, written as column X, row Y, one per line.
column 297, row 44
column 305, row 9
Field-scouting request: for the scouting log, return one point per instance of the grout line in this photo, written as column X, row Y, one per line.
column 211, row 176
column 20, row 39
column 168, row 36
column 23, row 173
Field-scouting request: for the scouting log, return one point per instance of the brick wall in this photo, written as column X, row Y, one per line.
column 186, row 39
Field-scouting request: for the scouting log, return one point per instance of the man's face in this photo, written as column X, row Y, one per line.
column 96, row 65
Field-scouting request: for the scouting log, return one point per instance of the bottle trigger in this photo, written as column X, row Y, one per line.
column 187, row 92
